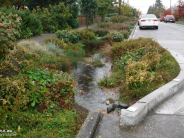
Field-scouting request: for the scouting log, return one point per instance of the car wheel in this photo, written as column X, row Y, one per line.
column 156, row 27
column 165, row 21
column 140, row 27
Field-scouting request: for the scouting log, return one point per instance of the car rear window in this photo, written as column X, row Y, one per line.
column 169, row 15
column 148, row 16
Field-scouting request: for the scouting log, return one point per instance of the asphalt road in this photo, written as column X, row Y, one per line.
column 169, row 35
column 167, row 120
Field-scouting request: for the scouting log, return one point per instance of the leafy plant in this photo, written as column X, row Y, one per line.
column 114, row 80
column 8, row 32
column 114, row 36
column 68, row 36
column 119, row 19
column 99, row 32
column 75, row 36
column 54, row 17
column 56, row 41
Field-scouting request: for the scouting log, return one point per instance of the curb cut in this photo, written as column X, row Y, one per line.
column 132, row 33
column 136, row 113
column 90, row 125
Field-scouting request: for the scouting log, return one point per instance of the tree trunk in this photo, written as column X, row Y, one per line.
column 119, row 7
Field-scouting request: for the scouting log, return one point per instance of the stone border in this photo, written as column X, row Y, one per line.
column 135, row 114
column 90, row 125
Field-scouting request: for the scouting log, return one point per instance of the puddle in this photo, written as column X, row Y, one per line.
column 91, row 96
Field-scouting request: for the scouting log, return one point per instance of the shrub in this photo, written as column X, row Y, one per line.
column 114, row 36
column 56, row 41
column 68, row 36
column 99, row 32
column 30, row 25
column 125, row 34
column 54, row 49
column 74, row 52
column 52, row 62
column 74, row 23
column 104, row 25
column 75, row 36
column 86, row 35
column 140, row 46
column 113, row 81
column 91, row 45
column 111, row 14
column 119, row 19
column 8, row 32
column 34, row 47
column 97, row 63
column 54, row 17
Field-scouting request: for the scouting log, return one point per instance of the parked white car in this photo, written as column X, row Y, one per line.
column 148, row 21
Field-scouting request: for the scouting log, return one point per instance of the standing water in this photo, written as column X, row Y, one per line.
column 90, row 95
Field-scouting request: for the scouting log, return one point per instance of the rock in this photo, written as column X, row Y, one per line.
column 111, row 100
column 110, row 109
column 123, row 106
column 115, row 106
column 107, row 102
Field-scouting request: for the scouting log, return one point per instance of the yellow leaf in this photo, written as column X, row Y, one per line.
column 18, row 128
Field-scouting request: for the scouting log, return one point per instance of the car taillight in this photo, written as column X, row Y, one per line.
column 155, row 20
column 143, row 20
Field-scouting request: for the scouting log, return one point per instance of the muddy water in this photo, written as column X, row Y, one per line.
column 91, row 96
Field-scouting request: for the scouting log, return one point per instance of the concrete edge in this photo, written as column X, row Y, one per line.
column 132, row 33
column 90, row 125
column 136, row 113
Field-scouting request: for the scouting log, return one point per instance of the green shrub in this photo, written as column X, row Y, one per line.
column 74, row 53
column 125, row 34
column 97, row 63
column 68, row 36
column 104, row 25
column 54, row 17
column 140, row 46
column 99, row 32
column 75, row 36
column 30, row 22
column 74, row 23
column 119, row 19
column 86, row 35
column 56, row 41
column 111, row 14
column 33, row 47
column 92, row 45
column 8, row 32
column 54, row 49
column 113, row 81
column 52, row 62
column 114, row 36
column 30, row 25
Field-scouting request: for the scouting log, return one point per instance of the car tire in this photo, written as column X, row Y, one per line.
column 165, row 21
column 140, row 27
column 156, row 27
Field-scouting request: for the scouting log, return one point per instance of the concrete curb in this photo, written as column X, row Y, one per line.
column 135, row 114
column 132, row 33
column 90, row 125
